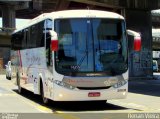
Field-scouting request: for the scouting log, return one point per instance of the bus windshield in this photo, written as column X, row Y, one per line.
column 93, row 45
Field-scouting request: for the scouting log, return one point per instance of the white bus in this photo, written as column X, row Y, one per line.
column 72, row 55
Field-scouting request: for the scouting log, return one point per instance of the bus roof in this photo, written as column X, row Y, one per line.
column 73, row 14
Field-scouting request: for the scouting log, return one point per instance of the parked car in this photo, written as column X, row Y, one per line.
column 155, row 66
column 8, row 70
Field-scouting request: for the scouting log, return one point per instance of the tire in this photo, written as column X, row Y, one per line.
column 44, row 99
column 9, row 78
column 20, row 90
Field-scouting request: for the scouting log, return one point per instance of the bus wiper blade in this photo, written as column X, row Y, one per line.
column 83, row 58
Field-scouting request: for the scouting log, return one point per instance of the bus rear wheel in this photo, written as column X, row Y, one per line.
column 18, row 84
column 44, row 99
column 9, row 78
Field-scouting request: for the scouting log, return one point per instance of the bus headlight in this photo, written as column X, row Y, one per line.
column 120, row 83
column 63, row 84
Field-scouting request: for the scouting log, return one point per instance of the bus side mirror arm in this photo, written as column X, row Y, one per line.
column 53, row 35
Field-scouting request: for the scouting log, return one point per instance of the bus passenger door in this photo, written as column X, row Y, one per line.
column 49, row 62
column 48, row 27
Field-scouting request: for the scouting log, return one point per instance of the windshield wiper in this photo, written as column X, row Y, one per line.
column 86, row 50
column 82, row 59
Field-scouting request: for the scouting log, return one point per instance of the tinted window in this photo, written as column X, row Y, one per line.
column 17, row 40
column 91, row 45
column 35, row 36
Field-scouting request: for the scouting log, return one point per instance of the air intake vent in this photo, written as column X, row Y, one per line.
column 93, row 88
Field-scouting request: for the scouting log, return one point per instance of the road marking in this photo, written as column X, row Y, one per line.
column 136, row 105
column 41, row 108
column 44, row 109
column 65, row 115
column 37, row 106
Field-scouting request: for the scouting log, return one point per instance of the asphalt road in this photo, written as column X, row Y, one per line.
column 144, row 96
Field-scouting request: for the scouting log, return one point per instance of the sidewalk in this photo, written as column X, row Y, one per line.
column 144, row 95
column 2, row 71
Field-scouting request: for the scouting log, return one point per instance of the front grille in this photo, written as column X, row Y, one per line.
column 93, row 88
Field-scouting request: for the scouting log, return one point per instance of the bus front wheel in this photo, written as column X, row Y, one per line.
column 44, row 99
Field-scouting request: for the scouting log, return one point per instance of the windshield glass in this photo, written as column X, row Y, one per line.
column 91, row 46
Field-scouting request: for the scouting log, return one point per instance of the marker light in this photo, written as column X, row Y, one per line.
column 137, row 43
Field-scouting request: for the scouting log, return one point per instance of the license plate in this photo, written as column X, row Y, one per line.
column 94, row 94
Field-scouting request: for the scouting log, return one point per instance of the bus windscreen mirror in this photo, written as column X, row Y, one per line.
column 137, row 43
column 54, row 45
column 54, row 40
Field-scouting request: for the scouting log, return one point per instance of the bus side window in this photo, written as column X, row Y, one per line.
column 35, row 37
column 17, row 40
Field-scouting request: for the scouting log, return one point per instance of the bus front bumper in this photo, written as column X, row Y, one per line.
column 64, row 94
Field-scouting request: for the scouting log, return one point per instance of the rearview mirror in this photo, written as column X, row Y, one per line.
column 137, row 43
column 137, row 40
column 54, row 40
